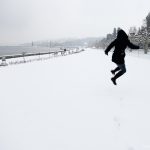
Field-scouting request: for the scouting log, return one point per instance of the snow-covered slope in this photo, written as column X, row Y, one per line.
column 69, row 103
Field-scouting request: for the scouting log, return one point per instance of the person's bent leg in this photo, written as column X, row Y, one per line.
column 122, row 68
column 115, row 70
column 121, row 72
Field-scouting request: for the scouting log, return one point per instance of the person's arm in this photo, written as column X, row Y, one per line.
column 112, row 44
column 132, row 46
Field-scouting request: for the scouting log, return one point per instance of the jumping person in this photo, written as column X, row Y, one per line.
column 120, row 44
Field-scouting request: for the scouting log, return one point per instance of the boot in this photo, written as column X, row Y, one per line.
column 113, row 72
column 114, row 81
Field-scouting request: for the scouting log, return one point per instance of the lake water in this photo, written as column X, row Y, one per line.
column 12, row 50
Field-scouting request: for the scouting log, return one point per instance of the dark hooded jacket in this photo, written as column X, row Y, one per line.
column 120, row 44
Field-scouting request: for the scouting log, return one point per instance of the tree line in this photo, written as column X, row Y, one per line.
column 140, row 36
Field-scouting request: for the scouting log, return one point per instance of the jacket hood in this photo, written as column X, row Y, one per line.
column 122, row 35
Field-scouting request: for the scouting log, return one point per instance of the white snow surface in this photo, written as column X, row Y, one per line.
column 69, row 103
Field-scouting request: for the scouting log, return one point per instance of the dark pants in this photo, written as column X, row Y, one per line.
column 121, row 68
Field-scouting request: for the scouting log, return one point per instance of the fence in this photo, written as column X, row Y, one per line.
column 29, row 57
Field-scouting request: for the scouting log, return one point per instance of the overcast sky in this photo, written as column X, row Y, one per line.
column 27, row 20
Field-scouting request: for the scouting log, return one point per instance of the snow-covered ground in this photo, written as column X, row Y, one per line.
column 69, row 103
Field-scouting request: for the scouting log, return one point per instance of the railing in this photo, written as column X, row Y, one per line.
column 26, row 55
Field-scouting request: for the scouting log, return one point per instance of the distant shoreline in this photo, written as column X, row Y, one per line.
column 11, row 50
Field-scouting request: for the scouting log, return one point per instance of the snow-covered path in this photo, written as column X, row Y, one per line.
column 69, row 103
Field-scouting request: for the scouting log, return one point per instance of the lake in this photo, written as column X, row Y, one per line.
column 12, row 50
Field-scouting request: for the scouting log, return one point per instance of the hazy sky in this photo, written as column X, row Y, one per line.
column 27, row 20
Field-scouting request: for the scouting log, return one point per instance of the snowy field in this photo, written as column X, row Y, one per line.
column 69, row 103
